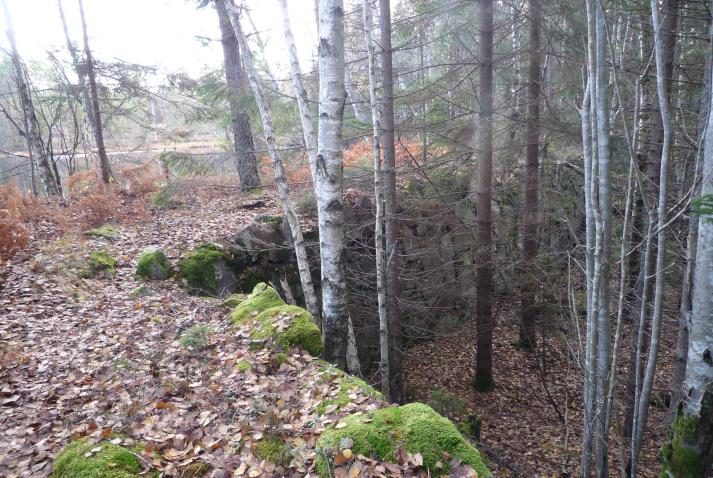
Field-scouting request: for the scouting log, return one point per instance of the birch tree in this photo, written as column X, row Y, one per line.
column 104, row 166
column 329, row 170
column 379, row 200
column 280, row 179
column 689, row 451
column 38, row 153
column 235, row 80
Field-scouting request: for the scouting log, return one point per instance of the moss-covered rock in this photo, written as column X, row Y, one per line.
column 107, row 231
column 288, row 325
column 207, row 271
column 100, row 263
column 348, row 384
column 141, row 291
column 272, row 448
column 153, row 264
column 83, row 459
column 233, row 301
column 417, row 427
column 262, row 298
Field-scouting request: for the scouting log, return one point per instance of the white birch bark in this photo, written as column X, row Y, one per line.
column 280, row 179
column 328, row 180
column 379, row 200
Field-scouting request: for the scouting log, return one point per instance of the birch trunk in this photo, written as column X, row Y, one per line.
column 689, row 452
column 378, row 199
column 246, row 160
column 328, row 180
column 391, row 206
column 37, row 150
column 280, row 179
column 484, row 272
column 98, row 127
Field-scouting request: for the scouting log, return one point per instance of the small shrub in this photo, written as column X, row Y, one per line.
column 167, row 197
column 196, row 338
column 306, row 202
column 97, row 208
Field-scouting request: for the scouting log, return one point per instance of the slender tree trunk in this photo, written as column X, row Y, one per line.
column 528, row 309
column 361, row 113
column 328, row 180
column 484, row 257
column 689, row 452
column 391, row 206
column 280, row 178
column 379, row 200
column 98, row 128
column 247, row 164
column 38, row 152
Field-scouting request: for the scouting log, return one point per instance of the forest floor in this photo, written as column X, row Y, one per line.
column 81, row 357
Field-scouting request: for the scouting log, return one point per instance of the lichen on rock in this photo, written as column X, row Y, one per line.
column 288, row 325
column 153, row 264
column 107, row 231
column 416, row 427
column 84, row 459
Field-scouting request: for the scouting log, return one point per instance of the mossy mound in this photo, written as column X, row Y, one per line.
column 141, row 291
column 100, row 263
column 206, row 270
column 348, row 384
column 106, row 231
column 289, row 325
column 153, row 264
column 262, row 298
column 80, row 460
column 417, row 427
column 233, row 301
column 272, row 448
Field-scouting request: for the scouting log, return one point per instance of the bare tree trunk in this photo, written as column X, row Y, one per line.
column 328, row 180
column 528, row 309
column 360, row 111
column 38, row 153
column 379, row 200
column 484, row 257
column 391, row 206
column 98, row 128
column 247, row 165
column 689, row 452
column 280, row 179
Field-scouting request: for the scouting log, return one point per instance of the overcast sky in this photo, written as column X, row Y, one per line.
column 155, row 32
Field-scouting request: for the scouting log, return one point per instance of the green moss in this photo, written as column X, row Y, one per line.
column 106, row 231
column 111, row 461
column 99, row 263
column 233, row 301
column 416, row 426
column 263, row 297
column 196, row 337
column 678, row 457
column 281, row 358
column 141, row 291
column 272, row 448
column 153, row 264
column 167, row 197
column 199, row 269
column 274, row 220
column 243, row 365
column 195, row 470
column 347, row 384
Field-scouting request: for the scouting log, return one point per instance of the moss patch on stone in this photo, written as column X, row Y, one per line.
column 111, row 461
column 233, row 301
column 107, row 231
column 348, row 384
column 199, row 268
column 100, row 263
column 262, row 298
column 417, row 427
column 272, row 448
column 153, row 264
column 141, row 291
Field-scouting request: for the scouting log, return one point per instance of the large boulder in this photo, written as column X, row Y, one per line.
column 287, row 325
column 153, row 264
column 209, row 270
column 415, row 427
